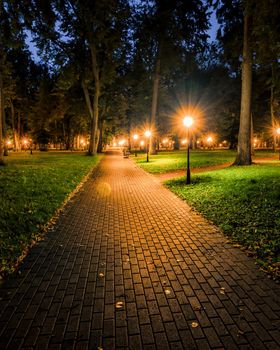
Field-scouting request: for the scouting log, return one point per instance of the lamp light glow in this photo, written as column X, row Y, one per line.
column 148, row 133
column 188, row 121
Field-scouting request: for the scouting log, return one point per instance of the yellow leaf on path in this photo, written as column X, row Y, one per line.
column 195, row 324
column 119, row 304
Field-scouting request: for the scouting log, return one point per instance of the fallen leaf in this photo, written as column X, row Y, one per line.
column 101, row 274
column 222, row 290
column 167, row 291
column 119, row 304
column 197, row 308
column 195, row 324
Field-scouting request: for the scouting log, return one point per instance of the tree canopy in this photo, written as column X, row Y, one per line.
column 109, row 68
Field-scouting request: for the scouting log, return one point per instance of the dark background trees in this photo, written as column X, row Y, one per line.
column 109, row 67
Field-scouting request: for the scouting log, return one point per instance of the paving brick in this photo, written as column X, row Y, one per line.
column 212, row 337
column 171, row 332
column 134, row 342
column 161, row 341
column 121, row 337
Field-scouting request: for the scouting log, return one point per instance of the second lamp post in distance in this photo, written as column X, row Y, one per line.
column 188, row 122
column 148, row 136
column 135, row 138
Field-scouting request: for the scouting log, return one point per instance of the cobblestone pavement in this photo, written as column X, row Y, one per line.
column 131, row 266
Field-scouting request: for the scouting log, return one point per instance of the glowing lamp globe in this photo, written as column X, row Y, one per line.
column 188, row 121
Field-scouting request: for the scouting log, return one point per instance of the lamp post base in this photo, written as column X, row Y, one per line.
column 188, row 180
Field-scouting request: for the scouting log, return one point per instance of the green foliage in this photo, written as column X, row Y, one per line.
column 243, row 201
column 32, row 187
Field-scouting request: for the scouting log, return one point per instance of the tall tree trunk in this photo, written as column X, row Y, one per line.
column 252, row 137
column 13, row 124
column 100, row 141
column 95, row 135
column 156, row 84
column 244, row 137
column 97, row 79
column 90, row 110
column 272, row 102
column 155, row 104
column 5, row 134
column 19, row 131
column 1, row 119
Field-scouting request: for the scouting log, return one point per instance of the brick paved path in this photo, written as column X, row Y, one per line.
column 131, row 266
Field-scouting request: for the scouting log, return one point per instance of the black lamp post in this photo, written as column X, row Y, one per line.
column 188, row 121
column 148, row 135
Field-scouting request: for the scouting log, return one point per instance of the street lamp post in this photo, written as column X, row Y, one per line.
column 188, row 122
column 278, row 133
column 135, row 138
column 148, row 136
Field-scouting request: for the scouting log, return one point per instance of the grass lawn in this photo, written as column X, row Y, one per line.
column 244, row 202
column 32, row 188
column 175, row 160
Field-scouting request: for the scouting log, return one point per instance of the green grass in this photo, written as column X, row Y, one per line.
column 169, row 161
column 32, row 188
column 243, row 201
column 165, row 162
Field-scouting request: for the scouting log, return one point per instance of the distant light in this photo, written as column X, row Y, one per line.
column 114, row 144
column 165, row 141
column 278, row 131
column 136, row 137
column 122, row 142
column 209, row 139
column 184, row 141
column 142, row 143
column 25, row 142
column 197, row 141
column 148, row 133
column 82, row 141
column 9, row 143
column 188, row 121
